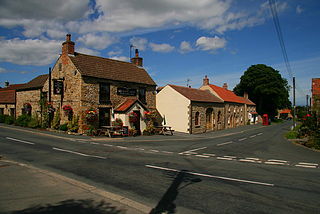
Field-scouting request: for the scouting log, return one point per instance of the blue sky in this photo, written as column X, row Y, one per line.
column 178, row 39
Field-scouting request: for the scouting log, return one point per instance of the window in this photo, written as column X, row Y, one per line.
column 142, row 95
column 197, row 119
column 1, row 111
column 12, row 112
column 104, row 93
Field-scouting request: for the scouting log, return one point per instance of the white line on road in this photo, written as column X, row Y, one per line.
column 223, row 158
column 77, row 153
column 250, row 160
column 253, row 159
column 192, row 150
column 242, row 139
column 259, row 134
column 94, row 143
column 121, row 147
column 212, row 176
column 202, row 156
column 227, row 156
column 208, row 154
column 224, row 143
column 305, row 163
column 274, row 163
column 107, row 145
column 21, row 141
column 305, row 166
column 253, row 136
column 153, row 150
column 275, row 160
column 167, row 152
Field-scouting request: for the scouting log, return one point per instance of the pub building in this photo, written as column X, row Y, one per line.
column 107, row 89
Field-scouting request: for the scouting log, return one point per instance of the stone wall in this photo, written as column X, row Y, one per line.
column 235, row 115
column 29, row 96
column 202, row 109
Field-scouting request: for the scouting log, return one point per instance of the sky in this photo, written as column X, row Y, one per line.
column 180, row 41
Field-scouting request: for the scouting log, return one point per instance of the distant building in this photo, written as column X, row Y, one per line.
column 315, row 97
column 8, row 99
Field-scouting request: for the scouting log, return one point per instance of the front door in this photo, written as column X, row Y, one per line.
column 209, row 118
column 104, row 116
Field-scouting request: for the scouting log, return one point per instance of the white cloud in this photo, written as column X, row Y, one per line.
column 210, row 43
column 185, row 47
column 95, row 41
column 87, row 51
column 114, row 52
column 29, row 52
column 3, row 70
column 139, row 43
column 120, row 58
column 299, row 9
column 164, row 48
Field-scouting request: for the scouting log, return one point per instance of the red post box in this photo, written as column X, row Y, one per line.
column 265, row 120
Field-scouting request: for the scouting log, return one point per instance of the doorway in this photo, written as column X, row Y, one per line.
column 136, row 124
column 104, row 116
column 209, row 119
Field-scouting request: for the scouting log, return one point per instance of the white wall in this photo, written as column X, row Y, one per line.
column 174, row 107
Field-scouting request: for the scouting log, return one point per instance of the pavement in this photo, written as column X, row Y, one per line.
column 26, row 189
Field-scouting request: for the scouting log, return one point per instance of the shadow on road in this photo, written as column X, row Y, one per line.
column 73, row 207
column 166, row 203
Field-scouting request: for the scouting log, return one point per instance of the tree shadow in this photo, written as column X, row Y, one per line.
column 71, row 206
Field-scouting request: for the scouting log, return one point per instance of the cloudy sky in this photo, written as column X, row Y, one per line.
column 180, row 40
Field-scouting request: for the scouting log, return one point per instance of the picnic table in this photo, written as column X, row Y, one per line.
column 110, row 131
column 165, row 130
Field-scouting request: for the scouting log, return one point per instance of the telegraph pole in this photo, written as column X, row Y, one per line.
column 294, row 102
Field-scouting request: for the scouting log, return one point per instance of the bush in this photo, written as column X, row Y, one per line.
column 34, row 123
column 63, row 127
column 2, row 118
column 292, row 135
column 23, row 120
column 56, row 120
column 73, row 125
column 8, row 119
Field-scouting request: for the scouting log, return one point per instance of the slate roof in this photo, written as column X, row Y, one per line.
column 35, row 83
column 198, row 95
column 127, row 104
column 99, row 67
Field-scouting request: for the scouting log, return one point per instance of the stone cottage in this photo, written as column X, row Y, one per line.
column 8, row 99
column 190, row 110
column 85, row 85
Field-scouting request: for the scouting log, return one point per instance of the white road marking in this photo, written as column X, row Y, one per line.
column 107, row 145
column 167, row 152
column 223, row 158
column 253, row 136
column 225, row 143
column 202, row 156
column 250, row 160
column 94, row 143
column 274, row 163
column 305, row 166
column 212, row 176
column 305, row 163
column 192, row 150
column 259, row 134
column 21, row 141
column 153, row 150
column 242, row 139
column 121, row 147
column 275, row 160
column 253, row 159
column 208, row 154
column 227, row 156
column 78, row 153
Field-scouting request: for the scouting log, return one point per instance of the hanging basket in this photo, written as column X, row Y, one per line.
column 91, row 115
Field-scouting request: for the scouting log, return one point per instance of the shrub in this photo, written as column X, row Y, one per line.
column 2, row 118
column 117, row 122
column 34, row 122
column 63, row 127
column 73, row 125
column 56, row 120
column 292, row 135
column 23, row 120
column 8, row 119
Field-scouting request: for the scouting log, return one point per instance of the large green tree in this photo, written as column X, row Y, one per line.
column 266, row 88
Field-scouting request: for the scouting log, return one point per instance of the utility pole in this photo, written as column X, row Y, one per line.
column 294, row 102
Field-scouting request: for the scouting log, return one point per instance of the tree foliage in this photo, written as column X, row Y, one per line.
column 266, row 88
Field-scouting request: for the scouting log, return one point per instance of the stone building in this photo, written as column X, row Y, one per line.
column 315, row 96
column 238, row 110
column 80, row 84
column 8, row 99
column 209, row 108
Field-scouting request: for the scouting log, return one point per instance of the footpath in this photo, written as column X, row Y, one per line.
column 25, row 189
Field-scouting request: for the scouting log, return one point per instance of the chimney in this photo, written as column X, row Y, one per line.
column 68, row 46
column 225, row 86
column 6, row 84
column 205, row 80
column 137, row 60
column 245, row 95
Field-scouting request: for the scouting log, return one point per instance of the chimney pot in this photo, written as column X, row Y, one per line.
column 137, row 60
column 68, row 46
column 225, row 86
column 6, row 84
column 205, row 80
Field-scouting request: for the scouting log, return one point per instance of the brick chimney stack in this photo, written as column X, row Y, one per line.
column 225, row 86
column 205, row 80
column 68, row 46
column 245, row 95
column 137, row 60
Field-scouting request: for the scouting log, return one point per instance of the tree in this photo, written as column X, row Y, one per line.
column 266, row 88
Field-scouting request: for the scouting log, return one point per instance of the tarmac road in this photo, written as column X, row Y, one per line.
column 251, row 169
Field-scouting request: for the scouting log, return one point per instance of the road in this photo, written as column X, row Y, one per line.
column 245, row 170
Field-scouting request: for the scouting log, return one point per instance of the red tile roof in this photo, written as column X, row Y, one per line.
column 229, row 96
column 127, row 104
column 194, row 94
column 37, row 82
column 285, row 111
column 100, row 67
column 12, row 87
column 7, row 96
